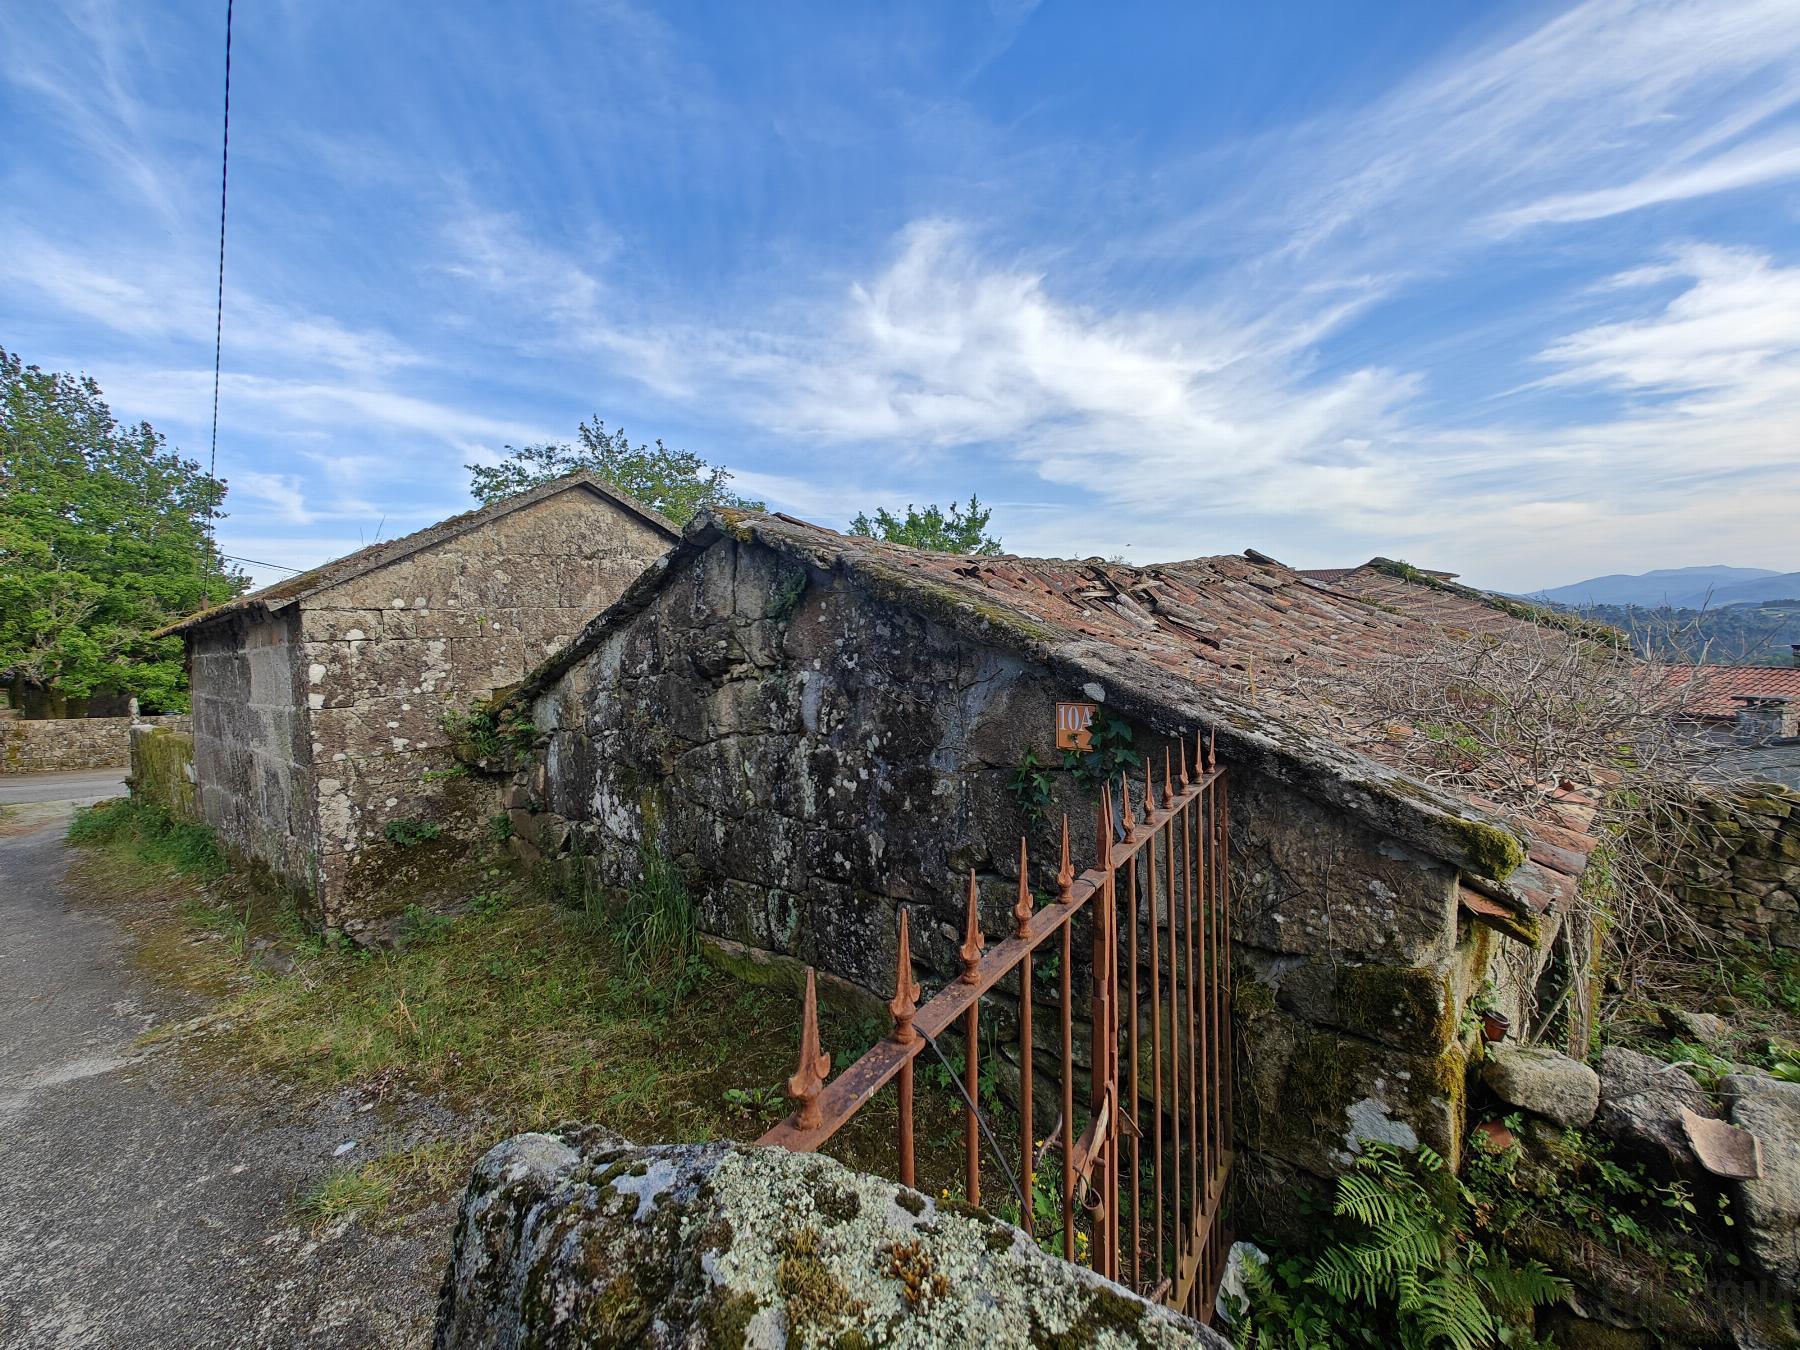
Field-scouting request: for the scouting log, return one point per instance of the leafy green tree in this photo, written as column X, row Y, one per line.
column 958, row 530
column 104, row 537
column 674, row 482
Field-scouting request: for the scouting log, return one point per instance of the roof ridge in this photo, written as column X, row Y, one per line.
column 383, row 553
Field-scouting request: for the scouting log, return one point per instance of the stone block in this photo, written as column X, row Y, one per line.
column 1768, row 1208
column 1763, row 869
column 1309, row 1095
column 1545, row 1082
column 722, row 1244
column 1641, row 1101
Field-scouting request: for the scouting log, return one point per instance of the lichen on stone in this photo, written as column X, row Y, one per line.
column 755, row 1247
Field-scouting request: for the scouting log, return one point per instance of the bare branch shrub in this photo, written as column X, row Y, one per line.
column 1510, row 715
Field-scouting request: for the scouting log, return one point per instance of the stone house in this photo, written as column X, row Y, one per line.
column 820, row 729
column 319, row 703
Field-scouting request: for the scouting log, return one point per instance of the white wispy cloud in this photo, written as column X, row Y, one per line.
column 280, row 491
column 1175, row 346
column 1769, row 160
column 1729, row 340
column 1218, row 396
column 149, row 296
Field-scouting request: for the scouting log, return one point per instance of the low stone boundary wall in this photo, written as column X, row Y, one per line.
column 69, row 744
column 162, row 769
column 1745, row 881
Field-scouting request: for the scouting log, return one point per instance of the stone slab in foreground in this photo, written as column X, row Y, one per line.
column 576, row 1239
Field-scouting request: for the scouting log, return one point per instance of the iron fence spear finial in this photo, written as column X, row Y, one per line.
column 973, row 942
column 809, row 1079
column 1022, row 906
column 1125, row 806
column 1065, row 875
column 1168, row 779
column 906, row 989
column 1103, row 827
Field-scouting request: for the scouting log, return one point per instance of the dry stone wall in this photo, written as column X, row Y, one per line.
column 162, row 770
column 814, row 757
column 1743, row 881
column 67, row 745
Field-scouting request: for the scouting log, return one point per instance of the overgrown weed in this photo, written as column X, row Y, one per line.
column 341, row 1192
column 539, row 1003
column 157, row 837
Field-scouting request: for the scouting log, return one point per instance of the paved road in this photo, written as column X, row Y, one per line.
column 147, row 1204
column 90, row 785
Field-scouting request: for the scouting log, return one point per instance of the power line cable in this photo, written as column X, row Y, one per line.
column 258, row 562
column 212, row 467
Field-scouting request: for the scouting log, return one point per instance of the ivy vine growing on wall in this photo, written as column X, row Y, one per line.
column 1030, row 786
column 1109, row 754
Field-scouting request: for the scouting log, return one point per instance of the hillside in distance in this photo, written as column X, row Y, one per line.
column 1678, row 588
column 1780, row 586
column 1763, row 634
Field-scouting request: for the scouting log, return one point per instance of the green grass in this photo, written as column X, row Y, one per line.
column 156, row 838
column 1757, row 991
column 531, row 1007
column 343, row 1192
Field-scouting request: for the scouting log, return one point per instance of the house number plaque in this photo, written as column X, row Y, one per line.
column 1074, row 723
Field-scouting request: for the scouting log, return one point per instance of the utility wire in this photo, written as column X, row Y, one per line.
column 258, row 562
column 212, row 467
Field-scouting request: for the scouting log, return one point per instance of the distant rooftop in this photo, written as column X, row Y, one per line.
column 1719, row 693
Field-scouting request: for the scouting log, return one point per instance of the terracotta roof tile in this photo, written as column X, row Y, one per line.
column 1716, row 692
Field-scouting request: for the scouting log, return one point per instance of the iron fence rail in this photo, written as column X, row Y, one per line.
column 1159, row 1228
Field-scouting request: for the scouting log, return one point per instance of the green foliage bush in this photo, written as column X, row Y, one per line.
column 490, row 733
column 406, row 833
column 957, row 530
column 675, row 483
column 1574, row 1195
column 1398, row 1262
column 1109, row 755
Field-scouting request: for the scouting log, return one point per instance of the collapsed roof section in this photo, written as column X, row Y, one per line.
column 1181, row 647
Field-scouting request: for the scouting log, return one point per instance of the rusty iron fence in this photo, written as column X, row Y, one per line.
column 1145, row 1164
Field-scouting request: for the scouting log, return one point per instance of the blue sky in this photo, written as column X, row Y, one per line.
column 1512, row 290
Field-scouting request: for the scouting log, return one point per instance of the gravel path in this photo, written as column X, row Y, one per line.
column 80, row 787
column 144, row 1204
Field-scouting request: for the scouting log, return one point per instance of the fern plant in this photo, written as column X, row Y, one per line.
column 1401, row 1266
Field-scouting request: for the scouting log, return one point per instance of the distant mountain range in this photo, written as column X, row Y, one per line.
column 1679, row 588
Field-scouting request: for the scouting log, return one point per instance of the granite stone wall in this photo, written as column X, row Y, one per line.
column 251, row 746
column 162, row 770
column 383, row 657
column 1742, row 882
column 814, row 757
column 68, row 745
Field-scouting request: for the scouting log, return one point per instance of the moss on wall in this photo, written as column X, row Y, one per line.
column 162, row 770
column 1374, row 999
